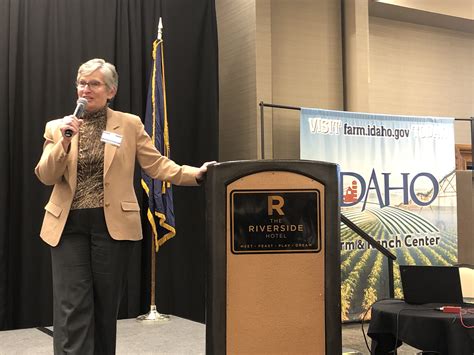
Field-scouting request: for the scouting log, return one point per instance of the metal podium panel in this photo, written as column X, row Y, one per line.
column 275, row 221
column 275, row 276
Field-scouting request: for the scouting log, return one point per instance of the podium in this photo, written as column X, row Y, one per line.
column 273, row 258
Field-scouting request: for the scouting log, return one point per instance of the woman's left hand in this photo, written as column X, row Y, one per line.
column 202, row 171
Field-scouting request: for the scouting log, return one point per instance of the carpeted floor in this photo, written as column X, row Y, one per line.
column 177, row 336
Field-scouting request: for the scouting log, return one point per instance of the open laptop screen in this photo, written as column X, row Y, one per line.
column 431, row 284
column 466, row 273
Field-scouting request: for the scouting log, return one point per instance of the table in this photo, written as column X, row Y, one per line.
column 420, row 326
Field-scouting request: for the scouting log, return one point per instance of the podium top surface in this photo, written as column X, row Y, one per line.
column 276, row 162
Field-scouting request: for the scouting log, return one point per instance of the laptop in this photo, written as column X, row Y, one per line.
column 431, row 284
column 466, row 272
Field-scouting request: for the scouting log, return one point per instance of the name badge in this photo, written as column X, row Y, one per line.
column 111, row 138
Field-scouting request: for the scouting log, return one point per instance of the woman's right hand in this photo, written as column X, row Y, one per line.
column 70, row 124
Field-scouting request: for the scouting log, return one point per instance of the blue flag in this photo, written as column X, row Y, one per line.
column 160, row 195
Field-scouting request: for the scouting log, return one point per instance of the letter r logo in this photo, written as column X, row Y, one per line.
column 275, row 203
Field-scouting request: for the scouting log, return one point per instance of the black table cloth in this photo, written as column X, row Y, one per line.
column 421, row 326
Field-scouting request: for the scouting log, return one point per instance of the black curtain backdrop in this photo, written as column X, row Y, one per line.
column 42, row 43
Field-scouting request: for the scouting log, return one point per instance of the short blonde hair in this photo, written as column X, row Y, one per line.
column 107, row 69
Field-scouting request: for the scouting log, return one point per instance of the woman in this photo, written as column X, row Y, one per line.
column 93, row 217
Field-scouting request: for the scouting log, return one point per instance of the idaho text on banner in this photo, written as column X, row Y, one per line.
column 160, row 195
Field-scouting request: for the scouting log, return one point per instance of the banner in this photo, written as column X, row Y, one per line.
column 397, row 183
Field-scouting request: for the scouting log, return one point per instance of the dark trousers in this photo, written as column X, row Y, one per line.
column 89, row 270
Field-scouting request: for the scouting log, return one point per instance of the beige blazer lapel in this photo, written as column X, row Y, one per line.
column 114, row 125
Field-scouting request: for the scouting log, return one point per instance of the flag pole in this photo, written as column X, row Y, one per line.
column 153, row 315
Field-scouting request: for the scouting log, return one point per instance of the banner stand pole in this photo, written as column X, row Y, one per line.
column 472, row 141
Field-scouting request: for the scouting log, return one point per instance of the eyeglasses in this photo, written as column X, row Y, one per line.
column 93, row 84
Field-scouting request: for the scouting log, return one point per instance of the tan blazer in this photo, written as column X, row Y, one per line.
column 122, row 212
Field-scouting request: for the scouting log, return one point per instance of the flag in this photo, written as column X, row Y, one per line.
column 160, row 194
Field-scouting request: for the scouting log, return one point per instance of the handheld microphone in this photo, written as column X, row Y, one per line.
column 81, row 105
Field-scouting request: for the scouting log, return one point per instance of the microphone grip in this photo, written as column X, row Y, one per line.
column 78, row 111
